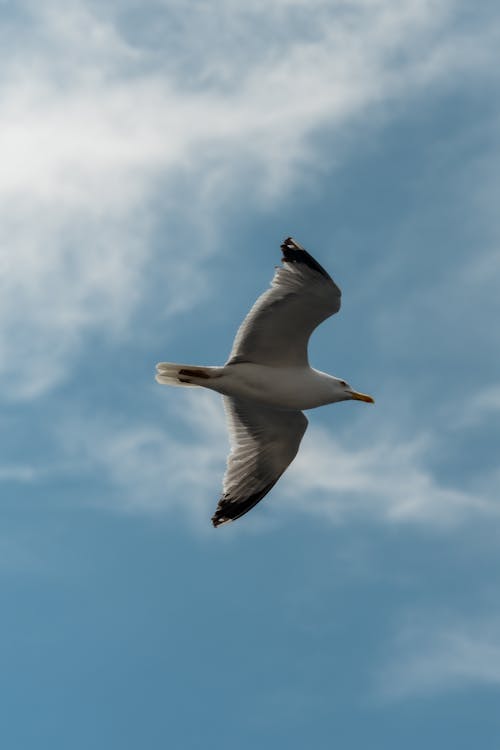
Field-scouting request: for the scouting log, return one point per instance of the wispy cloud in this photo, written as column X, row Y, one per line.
column 145, row 468
column 18, row 473
column 441, row 654
column 385, row 477
column 483, row 405
column 177, row 463
column 101, row 114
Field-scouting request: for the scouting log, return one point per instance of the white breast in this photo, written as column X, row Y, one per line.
column 282, row 387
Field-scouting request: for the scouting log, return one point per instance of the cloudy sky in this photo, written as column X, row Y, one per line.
column 152, row 158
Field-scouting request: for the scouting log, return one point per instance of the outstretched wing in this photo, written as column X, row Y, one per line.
column 277, row 329
column 264, row 442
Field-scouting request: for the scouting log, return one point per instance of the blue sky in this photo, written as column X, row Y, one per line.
column 153, row 157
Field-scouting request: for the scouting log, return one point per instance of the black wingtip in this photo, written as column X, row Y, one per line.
column 229, row 509
column 295, row 253
column 216, row 522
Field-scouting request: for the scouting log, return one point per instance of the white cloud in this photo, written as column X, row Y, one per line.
column 17, row 473
column 149, row 469
column 442, row 654
column 481, row 405
column 100, row 114
column 378, row 476
column 177, row 463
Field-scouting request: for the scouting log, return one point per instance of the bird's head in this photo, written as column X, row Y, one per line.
column 344, row 392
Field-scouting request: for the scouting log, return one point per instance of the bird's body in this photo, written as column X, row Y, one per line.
column 289, row 388
column 267, row 381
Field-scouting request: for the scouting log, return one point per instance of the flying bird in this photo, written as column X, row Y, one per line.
column 267, row 382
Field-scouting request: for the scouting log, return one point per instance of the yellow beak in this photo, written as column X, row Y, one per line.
column 362, row 397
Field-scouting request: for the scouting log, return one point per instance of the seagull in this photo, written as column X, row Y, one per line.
column 267, row 382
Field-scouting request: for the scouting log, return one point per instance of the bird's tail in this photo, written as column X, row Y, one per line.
column 172, row 373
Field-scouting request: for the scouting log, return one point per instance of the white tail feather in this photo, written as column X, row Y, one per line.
column 173, row 373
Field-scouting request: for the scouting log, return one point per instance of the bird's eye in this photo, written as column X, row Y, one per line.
column 343, row 384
